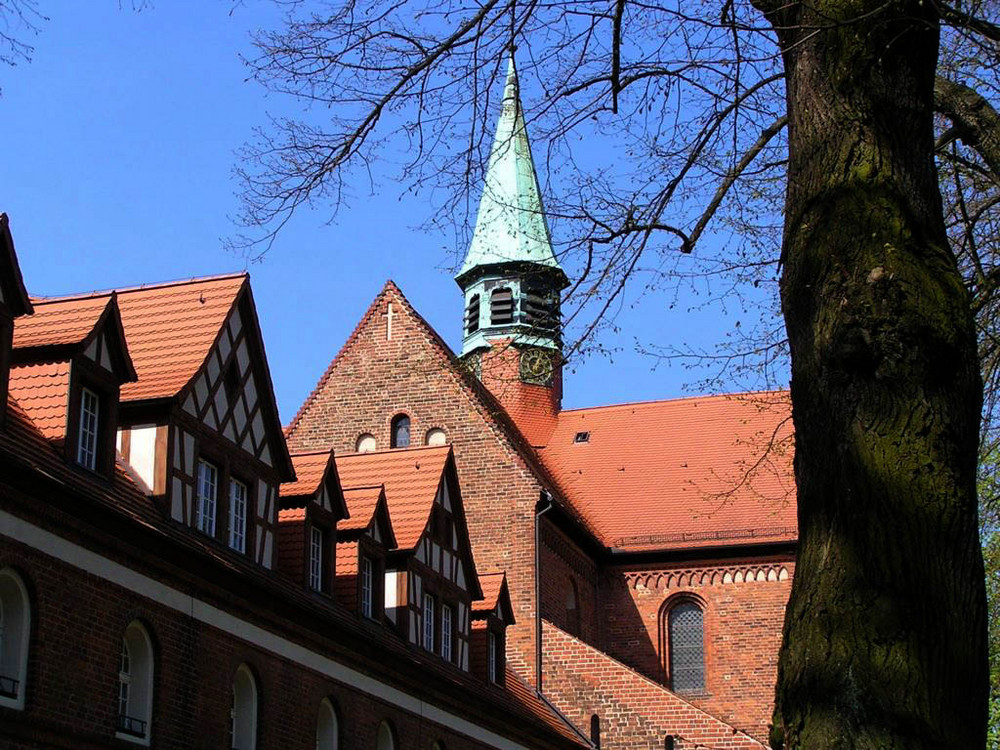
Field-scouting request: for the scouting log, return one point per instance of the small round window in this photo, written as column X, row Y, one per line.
column 436, row 436
column 365, row 443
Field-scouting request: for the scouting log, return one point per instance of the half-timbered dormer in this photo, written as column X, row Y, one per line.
column 430, row 578
column 68, row 363
column 200, row 427
column 310, row 508
column 14, row 303
column 363, row 542
column 490, row 617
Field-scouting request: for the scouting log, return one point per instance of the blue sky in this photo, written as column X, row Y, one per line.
column 120, row 139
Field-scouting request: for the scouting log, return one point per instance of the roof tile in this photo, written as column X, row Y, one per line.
column 42, row 391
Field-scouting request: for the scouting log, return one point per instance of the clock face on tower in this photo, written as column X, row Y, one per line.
column 536, row 366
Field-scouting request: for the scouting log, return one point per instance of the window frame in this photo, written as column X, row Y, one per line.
column 16, row 640
column 316, row 558
column 88, row 429
column 243, row 671
column 397, row 421
column 448, row 634
column 233, row 518
column 327, row 743
column 670, row 607
column 86, row 375
column 201, row 500
column 428, row 629
column 367, row 569
column 136, row 685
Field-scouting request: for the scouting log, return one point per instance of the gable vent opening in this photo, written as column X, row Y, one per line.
column 582, row 437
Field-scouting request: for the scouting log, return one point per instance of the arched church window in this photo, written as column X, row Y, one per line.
column 135, row 684
column 400, row 431
column 386, row 738
column 501, row 307
column 686, row 643
column 436, row 436
column 327, row 729
column 15, row 626
column 365, row 443
column 472, row 315
column 243, row 713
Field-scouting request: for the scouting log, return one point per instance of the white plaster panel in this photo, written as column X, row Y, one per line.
column 447, row 568
column 201, row 390
column 461, row 575
column 118, row 440
column 210, row 418
column 268, row 545
column 91, row 350
column 235, row 323
column 250, row 389
column 229, row 432
column 258, row 428
column 105, row 356
column 189, row 454
column 177, row 448
column 176, row 500
column 265, row 454
column 220, row 401
column 240, row 415
column 465, row 656
column 391, row 577
column 436, row 557
column 142, row 452
column 261, row 498
column 376, row 533
column 225, row 346
column 446, row 498
column 242, row 356
column 189, row 405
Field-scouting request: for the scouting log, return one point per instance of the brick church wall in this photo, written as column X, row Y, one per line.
column 563, row 565
column 744, row 608
column 78, row 621
column 376, row 378
column 635, row 713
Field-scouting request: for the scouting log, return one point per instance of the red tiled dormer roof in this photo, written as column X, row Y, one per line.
column 361, row 504
column 42, row 391
column 310, row 470
column 59, row 322
column 169, row 327
column 411, row 478
column 492, row 585
column 695, row 472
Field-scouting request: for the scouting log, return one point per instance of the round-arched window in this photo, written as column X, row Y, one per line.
column 686, row 643
column 386, row 738
column 436, row 436
column 135, row 683
column 365, row 443
column 400, row 431
column 15, row 626
column 327, row 729
column 243, row 713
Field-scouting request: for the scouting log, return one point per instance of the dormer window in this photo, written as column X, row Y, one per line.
column 316, row 558
column 447, row 633
column 582, row 437
column 367, row 587
column 208, row 487
column 86, row 453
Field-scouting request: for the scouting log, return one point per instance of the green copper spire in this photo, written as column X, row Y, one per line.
column 510, row 225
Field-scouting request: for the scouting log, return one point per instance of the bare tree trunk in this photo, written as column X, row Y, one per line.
column 885, row 633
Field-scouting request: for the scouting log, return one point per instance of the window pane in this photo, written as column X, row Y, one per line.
column 207, row 493
column 492, row 655
column 428, row 622
column 401, row 431
column 687, row 648
column 315, row 558
column 367, row 593
column 237, row 515
column 86, row 454
column 446, row 633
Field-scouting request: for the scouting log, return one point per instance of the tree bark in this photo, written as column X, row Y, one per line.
column 885, row 632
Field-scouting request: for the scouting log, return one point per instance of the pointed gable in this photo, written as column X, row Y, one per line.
column 496, row 599
column 220, row 375
column 13, row 296
column 316, row 481
column 369, row 514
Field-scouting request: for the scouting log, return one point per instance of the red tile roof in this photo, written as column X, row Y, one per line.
column 170, row 328
column 310, row 469
column 411, row 477
column 42, row 391
column 694, row 472
column 59, row 322
column 492, row 585
column 361, row 504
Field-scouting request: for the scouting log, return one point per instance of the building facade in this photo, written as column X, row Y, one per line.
column 433, row 554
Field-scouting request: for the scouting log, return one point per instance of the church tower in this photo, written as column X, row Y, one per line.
column 512, row 329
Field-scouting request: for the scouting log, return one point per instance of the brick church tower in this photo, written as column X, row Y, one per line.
column 512, row 337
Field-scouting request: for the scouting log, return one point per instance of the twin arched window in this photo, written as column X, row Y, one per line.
column 686, row 647
column 15, row 629
column 243, row 713
column 135, row 684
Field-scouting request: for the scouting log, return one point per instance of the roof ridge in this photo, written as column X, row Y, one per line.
column 42, row 299
column 679, row 399
column 399, row 451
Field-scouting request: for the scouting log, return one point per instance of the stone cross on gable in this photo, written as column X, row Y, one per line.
column 388, row 322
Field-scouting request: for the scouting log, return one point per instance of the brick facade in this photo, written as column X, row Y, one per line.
column 634, row 712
